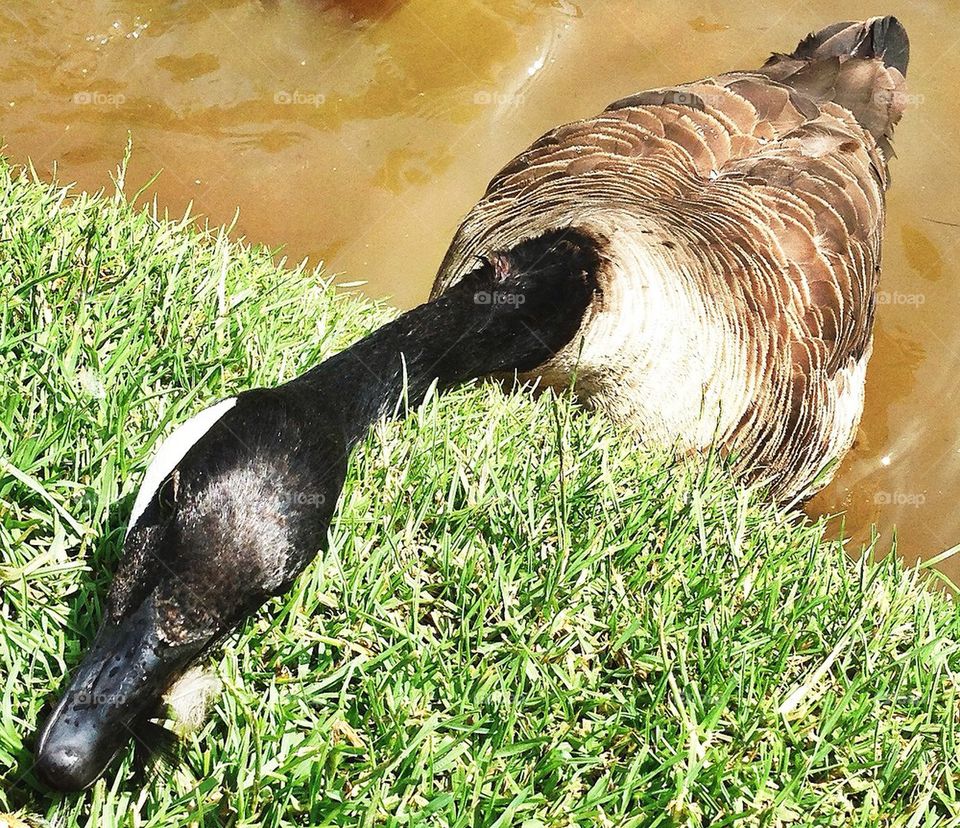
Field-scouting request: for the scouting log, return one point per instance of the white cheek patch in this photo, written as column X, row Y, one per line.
column 172, row 451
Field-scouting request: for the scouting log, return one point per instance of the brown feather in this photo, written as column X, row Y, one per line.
column 739, row 222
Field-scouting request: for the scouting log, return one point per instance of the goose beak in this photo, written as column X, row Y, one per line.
column 121, row 678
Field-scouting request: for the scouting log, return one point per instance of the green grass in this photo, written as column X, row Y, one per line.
column 523, row 618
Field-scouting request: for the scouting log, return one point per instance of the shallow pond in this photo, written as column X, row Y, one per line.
column 358, row 132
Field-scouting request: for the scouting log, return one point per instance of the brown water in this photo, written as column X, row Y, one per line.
column 358, row 132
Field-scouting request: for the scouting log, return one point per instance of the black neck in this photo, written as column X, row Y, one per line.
column 510, row 314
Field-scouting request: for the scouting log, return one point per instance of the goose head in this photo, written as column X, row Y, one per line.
column 235, row 503
column 238, row 499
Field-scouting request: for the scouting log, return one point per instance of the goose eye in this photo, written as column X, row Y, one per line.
column 168, row 493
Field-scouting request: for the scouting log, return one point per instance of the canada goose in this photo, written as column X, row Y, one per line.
column 700, row 261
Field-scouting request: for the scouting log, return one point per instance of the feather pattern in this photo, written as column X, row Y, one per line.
column 739, row 222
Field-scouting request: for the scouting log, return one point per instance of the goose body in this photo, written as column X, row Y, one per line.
column 739, row 222
column 700, row 261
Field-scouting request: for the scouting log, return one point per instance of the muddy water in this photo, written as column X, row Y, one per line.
column 358, row 132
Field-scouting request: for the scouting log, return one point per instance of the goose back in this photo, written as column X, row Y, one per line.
column 739, row 221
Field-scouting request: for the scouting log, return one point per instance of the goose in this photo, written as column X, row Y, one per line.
column 698, row 261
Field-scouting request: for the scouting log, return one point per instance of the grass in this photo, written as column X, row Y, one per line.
column 522, row 619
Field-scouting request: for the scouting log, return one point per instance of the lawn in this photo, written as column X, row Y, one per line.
column 523, row 617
